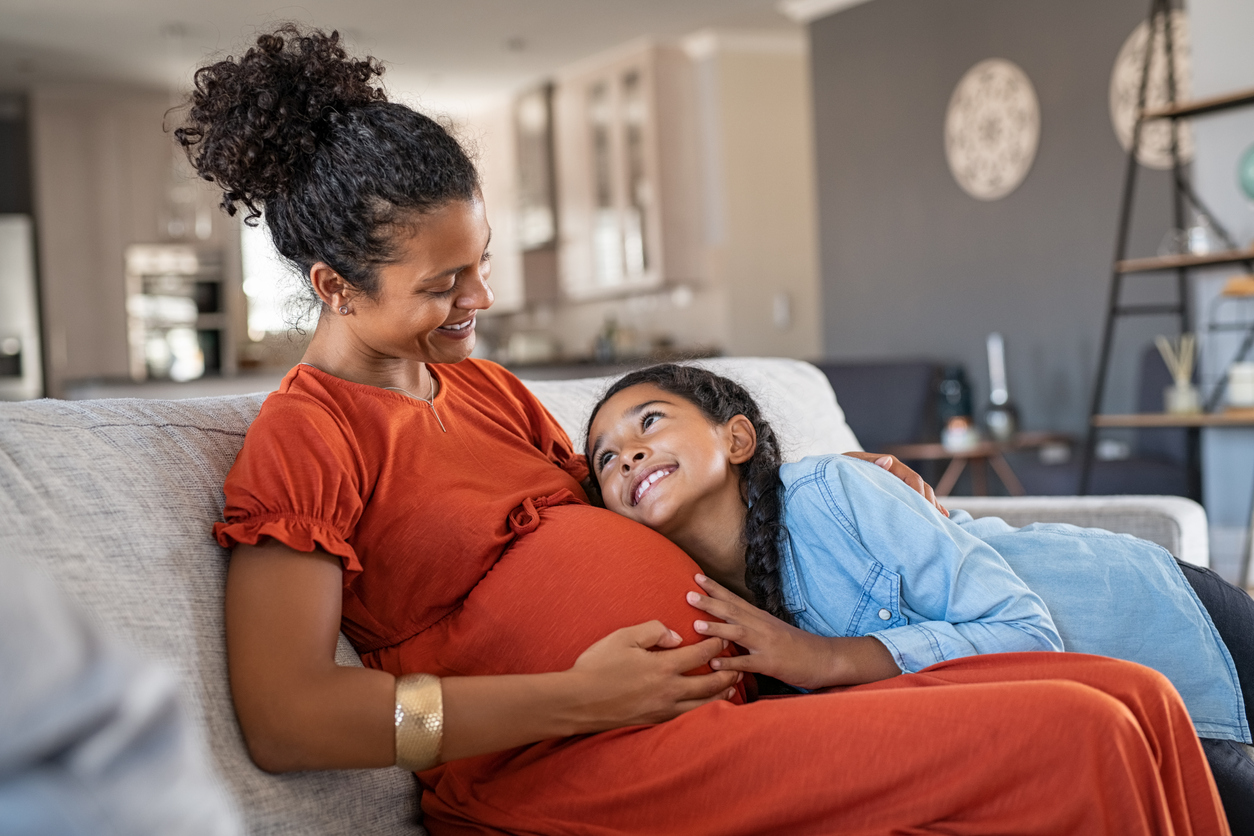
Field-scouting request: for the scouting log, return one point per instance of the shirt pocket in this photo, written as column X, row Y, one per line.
column 879, row 604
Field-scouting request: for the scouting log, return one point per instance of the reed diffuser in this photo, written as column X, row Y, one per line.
column 1000, row 416
column 1181, row 397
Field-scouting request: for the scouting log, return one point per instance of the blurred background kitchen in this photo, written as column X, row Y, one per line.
column 648, row 171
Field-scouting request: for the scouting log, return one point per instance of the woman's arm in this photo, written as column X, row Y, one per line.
column 299, row 710
column 895, row 466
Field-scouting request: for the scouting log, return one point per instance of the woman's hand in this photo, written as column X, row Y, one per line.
column 637, row 675
column 894, row 466
column 777, row 649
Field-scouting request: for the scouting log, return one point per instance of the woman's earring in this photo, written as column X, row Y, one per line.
column 343, row 310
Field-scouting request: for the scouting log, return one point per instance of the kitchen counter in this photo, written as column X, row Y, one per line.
column 205, row 387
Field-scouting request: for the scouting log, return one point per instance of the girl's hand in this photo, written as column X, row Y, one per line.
column 638, row 675
column 894, row 466
column 778, row 649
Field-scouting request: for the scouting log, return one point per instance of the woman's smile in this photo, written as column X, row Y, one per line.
column 460, row 330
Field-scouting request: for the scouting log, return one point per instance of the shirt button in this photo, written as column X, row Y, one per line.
column 885, row 615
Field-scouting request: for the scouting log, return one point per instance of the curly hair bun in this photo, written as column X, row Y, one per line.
column 254, row 124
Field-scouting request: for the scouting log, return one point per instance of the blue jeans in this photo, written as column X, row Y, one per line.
column 1232, row 610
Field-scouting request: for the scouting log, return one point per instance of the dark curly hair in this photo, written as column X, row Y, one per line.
column 297, row 131
column 720, row 400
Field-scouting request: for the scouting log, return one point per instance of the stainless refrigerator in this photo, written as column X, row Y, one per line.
column 21, row 367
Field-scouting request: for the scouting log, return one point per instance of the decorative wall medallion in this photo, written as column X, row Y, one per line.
column 992, row 129
column 1125, row 84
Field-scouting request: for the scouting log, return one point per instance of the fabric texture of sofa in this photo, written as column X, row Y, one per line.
column 115, row 500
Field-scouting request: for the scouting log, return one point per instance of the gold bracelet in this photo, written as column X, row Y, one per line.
column 419, row 721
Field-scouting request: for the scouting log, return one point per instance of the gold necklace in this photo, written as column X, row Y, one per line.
column 429, row 401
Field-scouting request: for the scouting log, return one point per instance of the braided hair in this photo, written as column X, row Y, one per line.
column 299, row 131
column 720, row 400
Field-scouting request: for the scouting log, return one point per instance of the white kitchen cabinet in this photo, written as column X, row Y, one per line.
column 629, row 197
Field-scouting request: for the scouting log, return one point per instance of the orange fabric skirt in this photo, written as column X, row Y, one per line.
column 1016, row 743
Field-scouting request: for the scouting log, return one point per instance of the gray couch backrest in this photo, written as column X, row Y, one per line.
column 115, row 500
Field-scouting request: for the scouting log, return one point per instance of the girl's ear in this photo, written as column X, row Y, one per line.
column 743, row 439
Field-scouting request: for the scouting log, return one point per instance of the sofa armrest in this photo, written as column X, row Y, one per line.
column 1173, row 522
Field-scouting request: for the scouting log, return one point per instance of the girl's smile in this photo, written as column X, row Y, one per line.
column 647, row 479
column 660, row 461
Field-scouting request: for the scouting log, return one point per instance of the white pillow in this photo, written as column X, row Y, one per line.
column 793, row 395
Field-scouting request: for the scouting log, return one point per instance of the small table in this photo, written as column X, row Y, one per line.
column 984, row 453
column 1227, row 418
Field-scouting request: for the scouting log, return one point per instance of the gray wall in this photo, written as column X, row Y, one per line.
column 914, row 267
column 1222, row 62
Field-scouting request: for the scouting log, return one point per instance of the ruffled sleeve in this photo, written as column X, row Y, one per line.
column 299, row 479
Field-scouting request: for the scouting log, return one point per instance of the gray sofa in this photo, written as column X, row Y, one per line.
column 115, row 499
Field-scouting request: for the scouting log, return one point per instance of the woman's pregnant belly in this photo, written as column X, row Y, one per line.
column 581, row 574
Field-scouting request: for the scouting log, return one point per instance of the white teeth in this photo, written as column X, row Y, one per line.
column 648, row 482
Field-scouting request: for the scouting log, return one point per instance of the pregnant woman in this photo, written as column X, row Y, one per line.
column 427, row 505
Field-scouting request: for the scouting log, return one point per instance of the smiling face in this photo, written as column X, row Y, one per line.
column 425, row 305
column 661, row 462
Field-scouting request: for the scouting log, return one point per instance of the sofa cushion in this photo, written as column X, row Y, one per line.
column 115, row 499
column 793, row 395
column 1176, row 523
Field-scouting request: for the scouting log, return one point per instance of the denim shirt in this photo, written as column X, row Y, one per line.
column 864, row 555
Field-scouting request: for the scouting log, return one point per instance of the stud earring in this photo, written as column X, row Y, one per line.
column 343, row 310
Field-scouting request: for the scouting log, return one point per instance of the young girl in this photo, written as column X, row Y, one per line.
column 880, row 584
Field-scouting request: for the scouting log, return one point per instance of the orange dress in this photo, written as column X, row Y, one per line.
column 474, row 551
